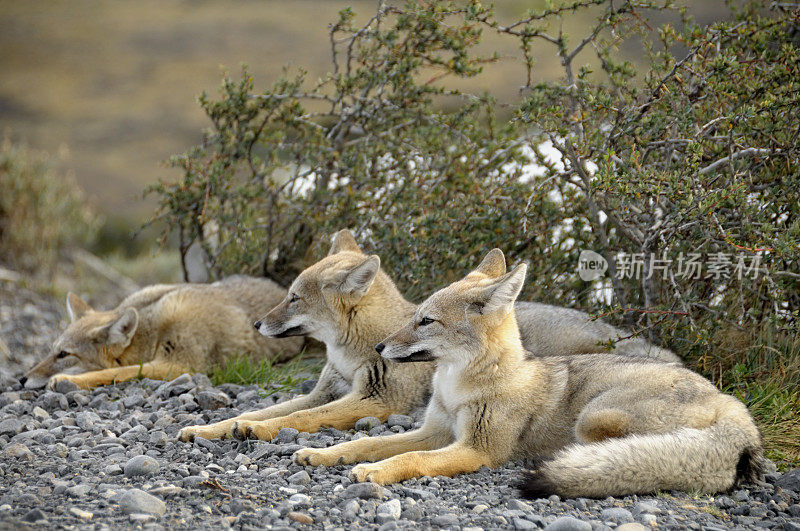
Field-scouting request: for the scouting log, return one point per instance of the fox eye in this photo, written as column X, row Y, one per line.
column 426, row 321
column 62, row 354
column 293, row 297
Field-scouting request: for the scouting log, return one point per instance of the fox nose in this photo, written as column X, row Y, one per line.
column 379, row 347
column 257, row 325
column 23, row 380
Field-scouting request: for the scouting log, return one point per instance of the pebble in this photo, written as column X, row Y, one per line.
column 390, row 509
column 632, row 526
column 138, row 501
column 65, row 386
column 285, row 436
column 141, row 465
column 363, row 491
column 367, row 423
column 568, row 523
column 403, row 421
column 80, row 513
column 300, row 518
column 76, row 491
column 299, row 478
column 616, row 514
column 18, row 451
column 445, row 520
column 213, row 399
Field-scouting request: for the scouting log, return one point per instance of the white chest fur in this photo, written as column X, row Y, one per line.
column 343, row 361
column 447, row 386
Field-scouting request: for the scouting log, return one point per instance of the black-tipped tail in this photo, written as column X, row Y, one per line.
column 750, row 468
column 535, row 484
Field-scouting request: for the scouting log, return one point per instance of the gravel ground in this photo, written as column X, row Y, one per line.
column 109, row 458
column 29, row 323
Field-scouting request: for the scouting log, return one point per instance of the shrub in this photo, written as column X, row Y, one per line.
column 41, row 212
column 696, row 154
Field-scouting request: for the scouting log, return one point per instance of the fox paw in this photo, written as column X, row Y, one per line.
column 315, row 457
column 212, row 431
column 373, row 472
column 248, row 429
column 55, row 380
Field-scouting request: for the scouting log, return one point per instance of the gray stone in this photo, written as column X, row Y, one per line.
column 390, row 509
column 741, row 496
column 34, row 516
column 300, row 500
column 138, row 501
column 404, row 421
column 65, row 386
column 76, row 491
column 208, row 445
column 141, row 465
column 18, row 451
column 40, row 414
column 80, row 513
column 286, row 435
column 213, row 399
column 11, row 427
column 616, row 514
column 363, row 491
column 239, row 505
column 367, row 423
column 568, row 523
column 445, row 520
column 790, row 480
column 631, row 526
column 645, row 507
column 112, row 470
column 519, row 505
column 350, row 510
column 299, row 478
column 523, row 524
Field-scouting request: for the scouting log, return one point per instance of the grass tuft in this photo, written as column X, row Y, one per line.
column 767, row 379
column 272, row 377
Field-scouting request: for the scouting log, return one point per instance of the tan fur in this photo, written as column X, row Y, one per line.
column 610, row 425
column 346, row 301
column 163, row 331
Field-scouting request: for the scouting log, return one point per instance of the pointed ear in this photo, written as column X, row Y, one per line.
column 344, row 241
column 76, row 307
column 493, row 265
column 121, row 331
column 358, row 280
column 501, row 293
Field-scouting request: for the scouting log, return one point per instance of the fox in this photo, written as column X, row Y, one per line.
column 597, row 425
column 163, row 331
column 349, row 303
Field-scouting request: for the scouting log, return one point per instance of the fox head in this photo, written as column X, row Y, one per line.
column 463, row 320
column 324, row 298
column 94, row 340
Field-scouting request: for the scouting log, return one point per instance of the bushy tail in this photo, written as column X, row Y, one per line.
column 711, row 459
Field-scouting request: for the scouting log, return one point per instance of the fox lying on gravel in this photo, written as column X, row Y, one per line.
column 163, row 331
column 347, row 302
column 605, row 425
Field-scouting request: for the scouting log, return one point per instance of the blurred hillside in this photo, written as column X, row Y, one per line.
column 111, row 86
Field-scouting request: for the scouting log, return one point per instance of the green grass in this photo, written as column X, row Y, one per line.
column 766, row 377
column 243, row 370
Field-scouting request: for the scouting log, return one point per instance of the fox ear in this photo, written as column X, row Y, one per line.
column 121, row 331
column 76, row 307
column 358, row 280
column 343, row 241
column 493, row 265
column 501, row 293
